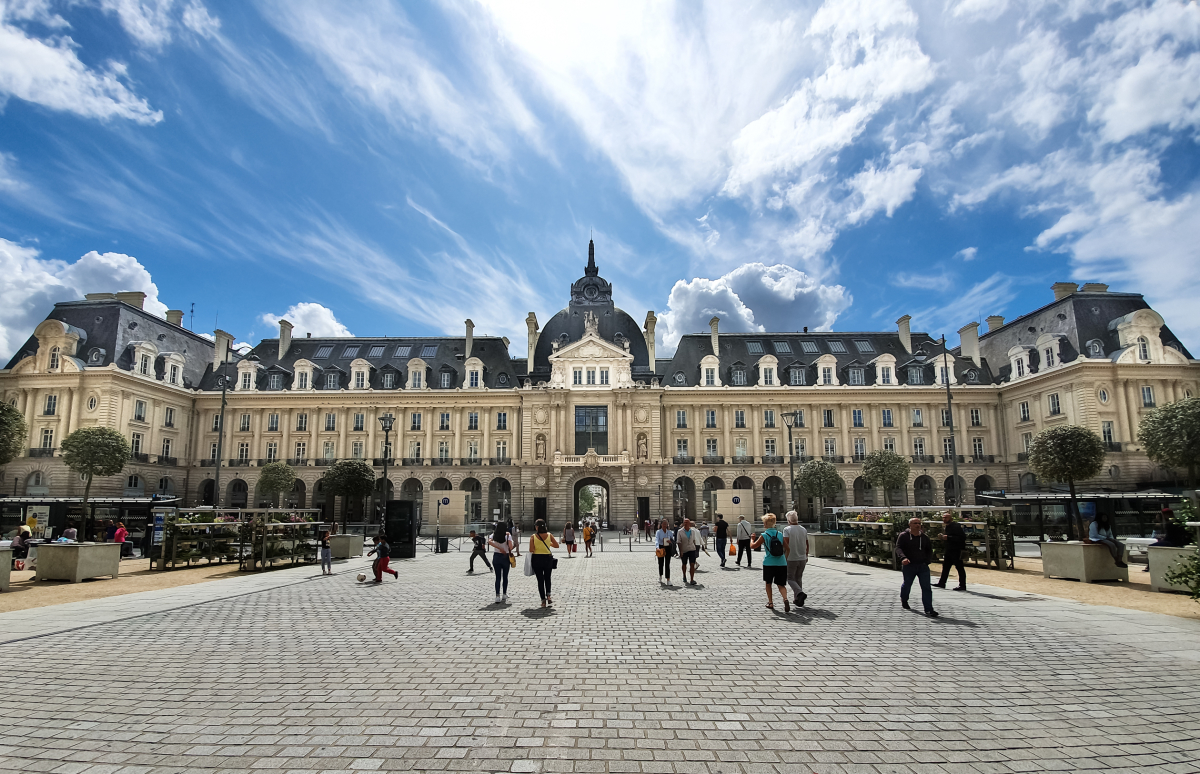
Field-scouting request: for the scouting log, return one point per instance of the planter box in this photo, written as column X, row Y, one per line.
column 346, row 546
column 1086, row 562
column 1161, row 559
column 76, row 561
column 5, row 567
column 825, row 544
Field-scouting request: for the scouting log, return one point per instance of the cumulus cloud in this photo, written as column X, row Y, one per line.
column 309, row 318
column 32, row 285
column 967, row 253
column 753, row 297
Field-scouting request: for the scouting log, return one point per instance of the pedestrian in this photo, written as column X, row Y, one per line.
column 774, row 562
column 540, row 543
column 515, row 530
column 688, row 540
column 71, row 533
column 119, row 535
column 916, row 552
column 664, row 549
column 956, row 542
column 745, row 533
column 705, row 530
column 795, row 542
column 327, row 554
column 589, row 537
column 110, row 529
column 479, row 545
column 722, row 536
column 649, row 530
column 569, row 539
column 383, row 557
column 503, row 559
column 1101, row 532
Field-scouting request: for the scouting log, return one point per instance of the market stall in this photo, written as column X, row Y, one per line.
column 869, row 534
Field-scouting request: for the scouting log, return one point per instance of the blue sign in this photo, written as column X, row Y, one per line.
column 445, row 501
column 737, row 500
column 158, row 529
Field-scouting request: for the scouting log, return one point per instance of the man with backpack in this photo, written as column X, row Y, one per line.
column 774, row 561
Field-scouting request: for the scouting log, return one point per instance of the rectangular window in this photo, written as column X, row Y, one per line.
column 144, row 365
column 837, row 347
column 1054, row 405
column 1026, row 440
column 782, row 348
column 447, row 380
column 414, row 450
column 272, row 451
column 429, row 350
column 591, row 429
column 1106, row 432
column 301, row 422
column 739, row 418
column 51, row 405
column 1049, row 353
column 1147, row 396
column 886, row 417
column 977, row 447
column 243, row 451
column 919, row 447
column 501, row 420
column 403, row 351
column 302, row 380
column 577, row 376
column 810, row 347
column 830, row 447
column 501, row 450
column 768, row 418
column 797, row 376
column 168, row 417
column 135, row 442
column 710, row 418
column 889, row 444
column 604, row 376
column 360, row 380
column 1023, row 411
column 473, row 449
column 272, row 423
column 443, row 450
column 351, row 350
column 739, row 377
column 681, row 447
column 739, row 447
column 800, row 418
column 472, row 420
column 864, row 346
column 885, row 375
column 139, row 410
column 246, row 380
column 947, row 447
column 212, row 451
column 444, row 421
column 331, row 381
column 976, row 418
column 856, row 417
column 827, row 418
column 416, row 422
column 769, row 447
column 324, row 351
column 356, row 450
column 244, row 423
column 417, row 379
column 275, row 381
column 857, row 376
column 327, row 450
column 473, row 380
column 946, row 417
column 915, row 376
column 800, row 448
column 710, row 447
column 389, row 380
column 360, row 421
column 216, row 422
column 591, row 376
column 174, row 377
column 754, row 347
column 376, row 351
column 826, row 375
column 918, row 418
column 944, row 377
column 48, row 438
column 769, row 377
column 710, row 377
column 681, row 418
column 860, row 448
column 330, row 422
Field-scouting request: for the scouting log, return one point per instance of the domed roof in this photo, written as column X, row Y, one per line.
column 590, row 293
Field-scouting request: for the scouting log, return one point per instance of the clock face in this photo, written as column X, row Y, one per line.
column 590, row 292
column 680, row 378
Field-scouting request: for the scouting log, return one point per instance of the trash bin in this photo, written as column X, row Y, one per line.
column 443, row 545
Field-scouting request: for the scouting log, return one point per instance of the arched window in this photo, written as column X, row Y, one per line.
column 1143, row 348
column 54, row 359
column 133, row 482
column 35, row 479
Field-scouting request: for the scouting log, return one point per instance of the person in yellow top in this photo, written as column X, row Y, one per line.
column 542, row 559
column 589, row 537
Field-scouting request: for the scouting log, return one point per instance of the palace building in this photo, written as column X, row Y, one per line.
column 591, row 403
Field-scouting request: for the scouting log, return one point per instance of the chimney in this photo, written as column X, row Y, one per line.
column 223, row 340
column 905, row 336
column 649, row 333
column 506, row 342
column 470, row 338
column 1063, row 289
column 132, row 297
column 716, row 344
column 995, row 322
column 968, row 336
column 285, row 337
column 532, row 326
column 1093, row 287
column 175, row 317
column 100, row 296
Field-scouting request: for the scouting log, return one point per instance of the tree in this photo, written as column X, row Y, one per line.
column 819, row 479
column 12, row 433
column 276, row 478
column 1171, row 436
column 587, row 500
column 350, row 479
column 1067, row 453
column 95, row 451
column 886, row 470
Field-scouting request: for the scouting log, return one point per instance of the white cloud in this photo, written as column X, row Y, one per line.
column 989, row 296
column 146, row 21
column 967, row 253
column 197, row 19
column 884, row 189
column 924, row 280
column 32, row 285
column 48, row 73
column 9, row 182
column 753, row 297
column 307, row 318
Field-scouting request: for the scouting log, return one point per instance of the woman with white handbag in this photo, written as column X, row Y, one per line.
column 540, row 560
column 664, row 549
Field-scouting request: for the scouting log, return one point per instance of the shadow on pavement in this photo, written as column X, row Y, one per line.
column 538, row 612
column 943, row 619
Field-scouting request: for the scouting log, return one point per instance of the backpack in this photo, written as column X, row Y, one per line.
column 774, row 544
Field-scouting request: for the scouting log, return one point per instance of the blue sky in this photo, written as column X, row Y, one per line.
column 387, row 169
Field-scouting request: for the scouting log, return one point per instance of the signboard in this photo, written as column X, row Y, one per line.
column 158, row 528
column 445, row 501
column 737, row 500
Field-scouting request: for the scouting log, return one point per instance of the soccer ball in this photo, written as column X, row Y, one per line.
column 362, row 576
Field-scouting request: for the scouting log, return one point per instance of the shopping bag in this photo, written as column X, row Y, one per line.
column 732, row 550
column 529, row 564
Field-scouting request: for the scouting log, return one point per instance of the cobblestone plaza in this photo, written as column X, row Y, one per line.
column 292, row 671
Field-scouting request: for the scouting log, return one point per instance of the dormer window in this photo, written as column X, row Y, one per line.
column 275, row 381
column 360, row 380
column 331, row 381
column 447, row 380
column 827, row 375
column 246, row 380
column 473, row 379
column 144, row 365
column 739, row 377
column 302, row 380
column 796, row 376
column 1143, row 347
column 885, row 375
column 1020, row 367
column 54, row 357
column 389, row 380
column 1095, row 348
column 173, row 374
column 768, row 375
column 417, row 380
column 1048, row 354
column 857, row 376
column 915, row 376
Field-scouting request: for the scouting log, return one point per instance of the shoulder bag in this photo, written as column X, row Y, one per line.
column 553, row 558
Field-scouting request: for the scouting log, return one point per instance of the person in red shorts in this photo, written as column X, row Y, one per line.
column 383, row 555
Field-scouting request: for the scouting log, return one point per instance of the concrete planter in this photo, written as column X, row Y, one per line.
column 76, row 561
column 346, row 546
column 825, row 544
column 1082, row 561
column 1161, row 560
column 5, row 567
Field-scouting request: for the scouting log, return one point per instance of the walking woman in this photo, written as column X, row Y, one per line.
column 569, row 539
column 540, row 543
column 664, row 549
column 774, row 562
column 502, row 543
column 326, row 554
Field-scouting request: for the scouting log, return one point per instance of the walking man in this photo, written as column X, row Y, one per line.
column 478, row 548
column 916, row 551
column 688, row 540
column 956, row 542
column 795, row 543
column 722, row 537
column 744, row 535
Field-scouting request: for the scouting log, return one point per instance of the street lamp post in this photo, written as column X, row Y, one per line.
column 789, row 419
column 950, row 416
column 223, row 380
column 385, row 422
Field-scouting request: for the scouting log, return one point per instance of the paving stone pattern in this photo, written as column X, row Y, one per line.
column 312, row 673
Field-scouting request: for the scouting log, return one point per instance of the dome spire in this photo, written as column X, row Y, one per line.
column 591, row 270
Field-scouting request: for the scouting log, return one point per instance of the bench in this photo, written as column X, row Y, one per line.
column 1087, row 562
column 1162, row 559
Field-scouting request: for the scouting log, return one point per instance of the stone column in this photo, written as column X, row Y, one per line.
column 342, row 451
column 697, row 448
column 1132, row 401
column 485, row 421
column 257, row 419
column 285, row 441
column 31, row 399
column 726, row 430
column 755, row 422
column 430, row 418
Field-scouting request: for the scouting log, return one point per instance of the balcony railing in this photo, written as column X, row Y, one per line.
column 772, row 460
column 300, row 461
column 378, row 461
column 859, row 458
column 736, row 460
column 1022, row 456
column 710, row 426
column 800, row 459
column 470, row 461
column 324, row 462
column 1112, row 446
column 500, row 461
column 239, row 462
column 165, row 460
column 139, row 457
column 168, row 424
column 680, row 459
column 443, row 461
column 713, row 459
column 41, row 452
column 838, row 458
column 984, row 458
column 948, row 458
column 267, row 461
column 412, row 461
column 681, row 427
column 923, row 459
column 209, row 463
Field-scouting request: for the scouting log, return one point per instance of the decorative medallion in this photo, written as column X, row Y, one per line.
column 539, row 416
column 642, row 414
column 540, row 481
column 643, row 481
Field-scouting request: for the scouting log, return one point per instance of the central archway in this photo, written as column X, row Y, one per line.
column 601, row 499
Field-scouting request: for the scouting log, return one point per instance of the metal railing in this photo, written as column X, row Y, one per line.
column 1022, row 456
column 208, row 463
column 985, row 458
column 713, row 459
column 923, row 459
column 239, row 463
column 298, row 461
column 324, row 462
column 139, row 456
column 165, row 460
column 839, row 458
column 741, row 460
column 772, row 460
column 470, row 461
column 379, row 461
column 500, row 461
column 1112, row 446
column 412, row 461
column 682, row 460
column 42, row 452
